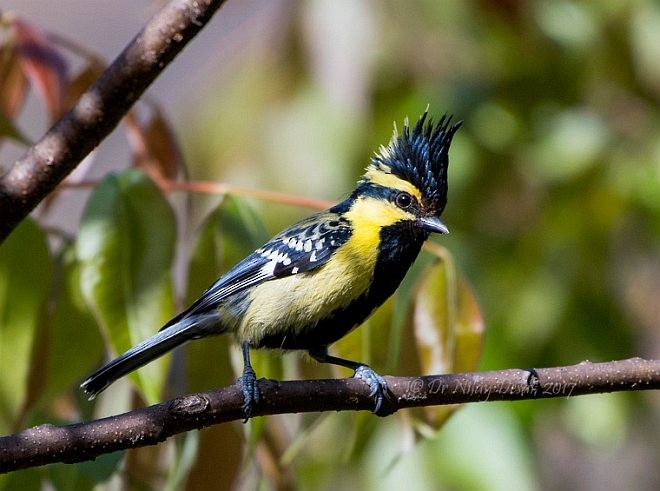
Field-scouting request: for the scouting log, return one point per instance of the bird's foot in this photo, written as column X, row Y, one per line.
column 375, row 382
column 251, row 394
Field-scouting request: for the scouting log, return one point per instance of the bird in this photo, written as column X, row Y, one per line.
column 319, row 279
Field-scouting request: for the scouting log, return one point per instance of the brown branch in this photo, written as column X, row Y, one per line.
column 148, row 426
column 100, row 109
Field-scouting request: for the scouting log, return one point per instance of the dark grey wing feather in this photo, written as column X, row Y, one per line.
column 307, row 244
column 299, row 248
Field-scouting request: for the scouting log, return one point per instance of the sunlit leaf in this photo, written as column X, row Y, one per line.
column 448, row 326
column 468, row 328
column 25, row 280
column 125, row 248
column 43, row 65
column 434, row 318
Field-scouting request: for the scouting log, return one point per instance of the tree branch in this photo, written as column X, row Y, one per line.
column 100, row 109
column 147, row 426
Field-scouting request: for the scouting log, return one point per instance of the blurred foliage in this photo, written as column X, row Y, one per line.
column 554, row 212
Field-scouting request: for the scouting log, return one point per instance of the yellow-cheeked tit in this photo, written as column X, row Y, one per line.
column 319, row 279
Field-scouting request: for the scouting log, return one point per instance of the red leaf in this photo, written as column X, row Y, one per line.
column 83, row 80
column 154, row 146
column 44, row 66
column 13, row 84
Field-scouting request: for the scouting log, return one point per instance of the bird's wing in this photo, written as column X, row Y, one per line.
column 302, row 247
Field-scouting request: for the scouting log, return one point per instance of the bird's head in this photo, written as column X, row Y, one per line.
column 407, row 179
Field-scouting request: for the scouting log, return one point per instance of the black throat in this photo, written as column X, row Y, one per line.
column 399, row 247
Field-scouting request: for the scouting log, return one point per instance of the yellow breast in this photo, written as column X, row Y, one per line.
column 298, row 302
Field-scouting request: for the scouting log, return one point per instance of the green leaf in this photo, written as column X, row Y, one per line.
column 25, row 280
column 67, row 363
column 84, row 475
column 448, row 326
column 25, row 480
column 125, row 248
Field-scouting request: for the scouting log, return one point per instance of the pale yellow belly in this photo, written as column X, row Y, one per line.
column 298, row 302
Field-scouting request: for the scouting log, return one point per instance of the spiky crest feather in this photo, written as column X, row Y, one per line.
column 420, row 157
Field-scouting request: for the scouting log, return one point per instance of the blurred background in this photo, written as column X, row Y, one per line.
column 554, row 204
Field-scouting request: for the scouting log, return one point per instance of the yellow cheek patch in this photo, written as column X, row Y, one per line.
column 368, row 216
column 381, row 175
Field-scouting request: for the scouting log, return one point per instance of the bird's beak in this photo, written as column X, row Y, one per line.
column 432, row 224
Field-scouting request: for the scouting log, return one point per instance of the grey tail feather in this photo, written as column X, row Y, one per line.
column 148, row 350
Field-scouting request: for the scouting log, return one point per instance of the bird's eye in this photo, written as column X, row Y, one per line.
column 403, row 200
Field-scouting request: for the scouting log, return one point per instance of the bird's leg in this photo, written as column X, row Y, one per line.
column 376, row 383
column 248, row 383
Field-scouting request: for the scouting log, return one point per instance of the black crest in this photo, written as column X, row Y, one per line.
column 420, row 156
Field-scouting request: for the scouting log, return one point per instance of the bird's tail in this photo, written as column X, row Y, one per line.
column 163, row 341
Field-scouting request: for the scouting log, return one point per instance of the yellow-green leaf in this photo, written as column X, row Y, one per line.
column 448, row 326
column 25, row 280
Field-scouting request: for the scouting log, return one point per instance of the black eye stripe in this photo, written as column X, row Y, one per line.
column 389, row 194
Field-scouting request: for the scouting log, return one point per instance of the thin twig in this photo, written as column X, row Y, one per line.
column 222, row 188
column 148, row 426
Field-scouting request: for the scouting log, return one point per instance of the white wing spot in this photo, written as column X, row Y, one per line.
column 294, row 270
column 308, row 245
column 268, row 268
column 312, row 258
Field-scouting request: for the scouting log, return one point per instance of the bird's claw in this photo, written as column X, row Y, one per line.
column 251, row 394
column 376, row 383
